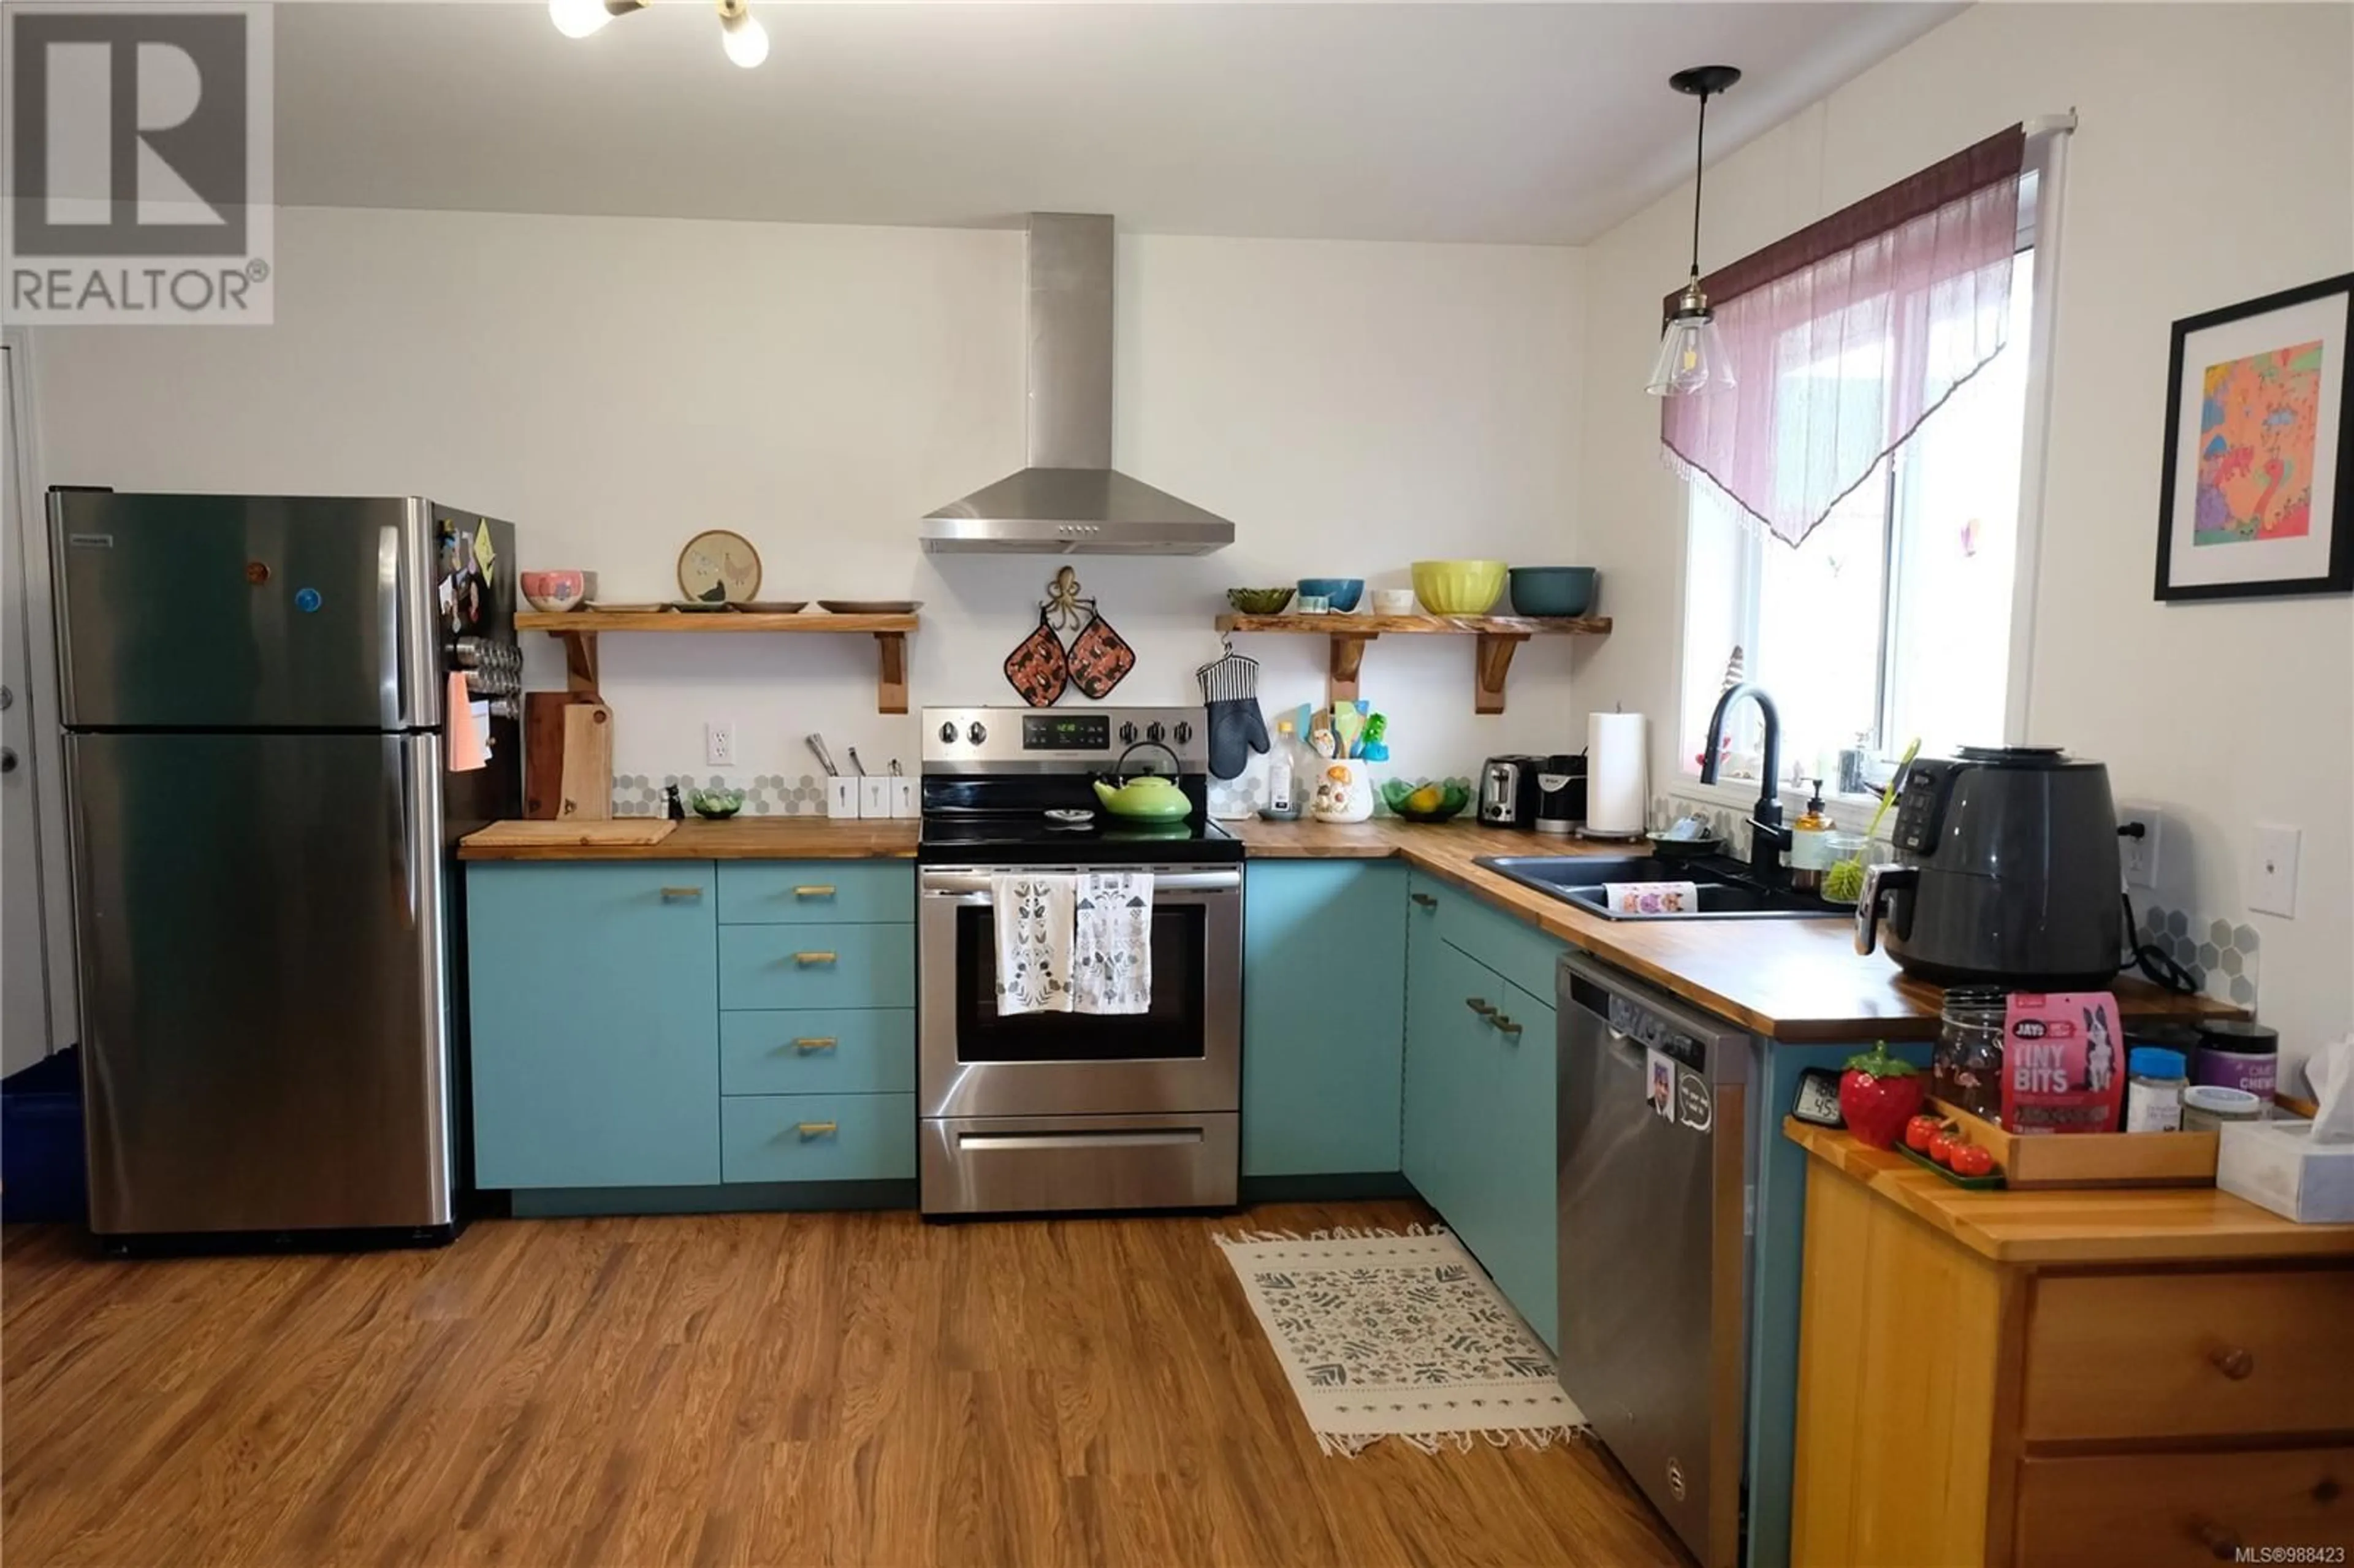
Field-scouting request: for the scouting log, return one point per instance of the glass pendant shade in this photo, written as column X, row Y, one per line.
column 1692, row 357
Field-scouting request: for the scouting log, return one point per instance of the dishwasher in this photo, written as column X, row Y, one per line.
column 1652, row 1181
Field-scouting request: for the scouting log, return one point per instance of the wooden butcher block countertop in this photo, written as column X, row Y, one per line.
column 2096, row 1225
column 739, row 838
column 1789, row 979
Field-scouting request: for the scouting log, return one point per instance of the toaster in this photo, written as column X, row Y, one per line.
column 1509, row 791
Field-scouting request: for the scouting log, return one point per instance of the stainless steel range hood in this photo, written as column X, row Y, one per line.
column 1069, row 499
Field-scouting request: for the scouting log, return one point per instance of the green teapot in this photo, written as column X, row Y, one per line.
column 1148, row 798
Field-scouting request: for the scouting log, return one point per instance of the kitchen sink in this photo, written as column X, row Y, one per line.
column 1726, row 891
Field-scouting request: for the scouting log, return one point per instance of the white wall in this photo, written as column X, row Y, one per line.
column 614, row 386
column 2223, row 714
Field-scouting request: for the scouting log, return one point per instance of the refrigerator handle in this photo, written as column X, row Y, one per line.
column 388, row 620
column 404, row 827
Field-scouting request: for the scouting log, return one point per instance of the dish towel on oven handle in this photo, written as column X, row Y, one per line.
column 1111, row 947
column 1035, row 918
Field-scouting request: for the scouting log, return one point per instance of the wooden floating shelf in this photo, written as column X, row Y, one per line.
column 579, row 630
column 1499, row 637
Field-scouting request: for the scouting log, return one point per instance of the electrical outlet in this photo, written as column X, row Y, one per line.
column 2272, row 870
column 719, row 744
column 2138, row 855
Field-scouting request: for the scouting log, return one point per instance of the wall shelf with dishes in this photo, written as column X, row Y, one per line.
column 1499, row 637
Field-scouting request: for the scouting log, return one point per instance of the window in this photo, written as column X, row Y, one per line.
column 1892, row 619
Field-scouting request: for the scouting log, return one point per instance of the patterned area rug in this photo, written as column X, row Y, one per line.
column 1399, row 1336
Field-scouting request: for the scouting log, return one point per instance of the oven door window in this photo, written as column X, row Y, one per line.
column 1175, row 1027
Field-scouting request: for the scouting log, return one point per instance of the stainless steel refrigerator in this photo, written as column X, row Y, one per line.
column 262, row 813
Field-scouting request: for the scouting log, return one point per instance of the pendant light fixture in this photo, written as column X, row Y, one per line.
column 1692, row 357
column 740, row 33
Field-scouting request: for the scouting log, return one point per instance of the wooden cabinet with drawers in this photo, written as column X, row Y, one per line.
column 2034, row 1379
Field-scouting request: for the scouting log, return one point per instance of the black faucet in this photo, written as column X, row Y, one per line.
column 1767, row 837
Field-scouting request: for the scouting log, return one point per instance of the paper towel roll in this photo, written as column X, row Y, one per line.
column 1618, row 776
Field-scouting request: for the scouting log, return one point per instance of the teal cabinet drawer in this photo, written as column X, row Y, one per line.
column 595, row 1010
column 853, row 1051
column 818, row 1138
column 816, row 892
column 817, row 966
column 1506, row 944
column 1524, row 1236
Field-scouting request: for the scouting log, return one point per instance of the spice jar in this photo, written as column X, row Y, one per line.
column 2154, row 1085
column 1966, row 1069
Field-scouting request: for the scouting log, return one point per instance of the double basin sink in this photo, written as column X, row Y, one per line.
column 1727, row 890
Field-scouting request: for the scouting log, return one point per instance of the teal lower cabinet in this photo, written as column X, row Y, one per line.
column 1324, row 960
column 672, row 1036
column 595, row 1023
column 1478, row 1104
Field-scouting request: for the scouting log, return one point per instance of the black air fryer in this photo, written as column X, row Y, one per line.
column 2007, row 874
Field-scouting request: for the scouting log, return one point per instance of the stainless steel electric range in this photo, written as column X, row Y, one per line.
column 1061, row 1111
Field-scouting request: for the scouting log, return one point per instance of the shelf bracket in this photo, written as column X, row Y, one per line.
column 1493, row 662
column 891, row 677
column 1348, row 658
column 580, row 663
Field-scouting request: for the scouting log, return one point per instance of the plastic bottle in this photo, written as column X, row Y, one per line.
column 1810, row 853
column 1280, row 769
column 2155, row 1080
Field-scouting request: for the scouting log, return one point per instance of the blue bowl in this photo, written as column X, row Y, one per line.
column 1552, row 590
column 1341, row 593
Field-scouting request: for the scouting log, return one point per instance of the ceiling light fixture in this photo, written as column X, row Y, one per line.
column 740, row 33
column 1691, row 356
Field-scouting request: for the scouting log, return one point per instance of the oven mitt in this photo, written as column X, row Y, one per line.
column 1037, row 668
column 1237, row 729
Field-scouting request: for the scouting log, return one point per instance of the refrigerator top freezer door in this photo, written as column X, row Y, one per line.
column 251, row 612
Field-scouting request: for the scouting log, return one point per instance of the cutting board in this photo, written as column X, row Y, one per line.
column 588, row 770
column 637, row 833
column 543, row 752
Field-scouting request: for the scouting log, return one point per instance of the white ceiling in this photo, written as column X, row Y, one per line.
column 1529, row 123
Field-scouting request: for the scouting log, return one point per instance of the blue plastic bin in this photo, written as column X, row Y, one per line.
column 43, row 1171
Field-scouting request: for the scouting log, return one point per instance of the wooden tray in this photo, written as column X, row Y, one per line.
column 2091, row 1159
column 636, row 832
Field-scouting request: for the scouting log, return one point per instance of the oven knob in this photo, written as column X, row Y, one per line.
column 1184, row 732
column 1154, row 733
column 947, row 734
column 975, row 734
column 1127, row 735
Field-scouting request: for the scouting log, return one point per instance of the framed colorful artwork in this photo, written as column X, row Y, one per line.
column 2259, row 452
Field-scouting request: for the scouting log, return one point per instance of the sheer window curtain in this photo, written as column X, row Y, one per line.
column 1845, row 335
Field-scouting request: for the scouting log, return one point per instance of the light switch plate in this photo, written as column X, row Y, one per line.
column 2272, row 870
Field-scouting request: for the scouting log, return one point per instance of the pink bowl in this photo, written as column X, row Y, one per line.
column 554, row 591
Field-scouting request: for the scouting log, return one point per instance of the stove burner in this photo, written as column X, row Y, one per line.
column 1061, row 817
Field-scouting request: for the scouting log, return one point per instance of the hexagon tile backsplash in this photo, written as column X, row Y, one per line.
column 764, row 794
column 2221, row 956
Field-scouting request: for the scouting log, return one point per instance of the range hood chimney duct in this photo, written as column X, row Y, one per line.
column 1068, row 499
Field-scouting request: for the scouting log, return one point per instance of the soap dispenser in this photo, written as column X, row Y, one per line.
column 1810, row 843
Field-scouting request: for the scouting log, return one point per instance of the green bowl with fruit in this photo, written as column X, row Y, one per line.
column 715, row 805
column 1426, row 800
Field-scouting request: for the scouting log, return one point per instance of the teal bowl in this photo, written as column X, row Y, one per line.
column 1554, row 592
column 1341, row 593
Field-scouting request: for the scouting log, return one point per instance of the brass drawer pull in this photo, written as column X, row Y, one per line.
column 817, row 1128
column 825, row 890
column 808, row 958
column 809, row 1043
column 675, row 895
column 1425, row 899
column 1504, row 1025
column 2234, row 1363
column 1483, row 1009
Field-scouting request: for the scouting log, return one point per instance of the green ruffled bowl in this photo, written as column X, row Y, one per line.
column 1452, row 798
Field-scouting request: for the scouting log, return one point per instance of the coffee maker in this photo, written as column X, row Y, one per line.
column 1508, row 791
column 1561, row 794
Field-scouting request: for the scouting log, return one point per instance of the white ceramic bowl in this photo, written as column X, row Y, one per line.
column 1393, row 601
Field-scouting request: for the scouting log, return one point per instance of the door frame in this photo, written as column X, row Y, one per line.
column 20, row 472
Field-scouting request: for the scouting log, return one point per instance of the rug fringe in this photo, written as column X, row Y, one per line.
column 1337, row 1233
column 1349, row 1445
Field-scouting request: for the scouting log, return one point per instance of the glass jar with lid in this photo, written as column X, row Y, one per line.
column 1966, row 1069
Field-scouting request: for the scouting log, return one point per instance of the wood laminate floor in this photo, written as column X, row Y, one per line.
column 725, row 1389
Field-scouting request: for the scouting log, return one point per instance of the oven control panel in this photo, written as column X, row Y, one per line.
column 1055, row 740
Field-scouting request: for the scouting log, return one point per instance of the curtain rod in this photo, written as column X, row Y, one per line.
column 2049, row 125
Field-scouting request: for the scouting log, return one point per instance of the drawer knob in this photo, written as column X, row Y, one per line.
column 807, row 959
column 816, row 1129
column 1425, row 899
column 809, row 1043
column 679, row 895
column 2221, row 1544
column 2234, row 1363
column 2326, row 1489
column 1483, row 1009
column 824, row 890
